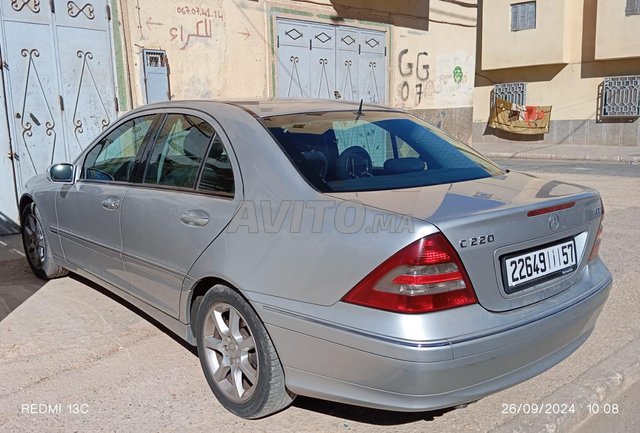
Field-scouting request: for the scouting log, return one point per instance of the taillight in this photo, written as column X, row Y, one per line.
column 595, row 250
column 425, row 276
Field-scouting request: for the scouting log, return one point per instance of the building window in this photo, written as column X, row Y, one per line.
column 621, row 96
column 523, row 16
column 633, row 7
column 516, row 93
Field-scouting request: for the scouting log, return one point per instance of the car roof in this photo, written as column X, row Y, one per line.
column 273, row 107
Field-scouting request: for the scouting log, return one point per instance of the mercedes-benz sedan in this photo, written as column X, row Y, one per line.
column 328, row 249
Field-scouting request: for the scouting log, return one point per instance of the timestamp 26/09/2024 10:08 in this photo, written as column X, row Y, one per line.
column 557, row 408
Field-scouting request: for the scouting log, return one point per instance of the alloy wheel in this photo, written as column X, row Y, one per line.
column 230, row 352
column 34, row 241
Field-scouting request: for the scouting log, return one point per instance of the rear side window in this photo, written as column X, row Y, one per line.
column 217, row 175
column 341, row 152
column 111, row 159
column 188, row 153
column 178, row 152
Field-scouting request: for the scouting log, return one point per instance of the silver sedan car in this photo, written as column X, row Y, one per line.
column 337, row 250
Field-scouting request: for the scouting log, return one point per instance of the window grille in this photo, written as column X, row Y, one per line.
column 633, row 7
column 621, row 96
column 515, row 93
column 155, row 59
column 523, row 16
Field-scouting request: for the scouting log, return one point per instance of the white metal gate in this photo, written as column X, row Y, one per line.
column 58, row 80
column 318, row 60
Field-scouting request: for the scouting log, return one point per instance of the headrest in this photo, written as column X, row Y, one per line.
column 197, row 140
column 353, row 162
column 403, row 165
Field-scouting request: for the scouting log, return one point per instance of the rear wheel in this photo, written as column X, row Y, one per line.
column 238, row 357
column 36, row 246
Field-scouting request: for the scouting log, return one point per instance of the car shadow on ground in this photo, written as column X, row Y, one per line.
column 17, row 282
column 366, row 415
column 7, row 226
column 338, row 410
column 135, row 310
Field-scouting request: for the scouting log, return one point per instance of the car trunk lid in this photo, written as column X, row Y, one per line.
column 503, row 228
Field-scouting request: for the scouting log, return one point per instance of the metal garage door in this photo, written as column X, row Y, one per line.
column 317, row 60
column 58, row 81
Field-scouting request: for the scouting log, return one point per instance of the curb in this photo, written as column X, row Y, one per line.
column 594, row 386
column 556, row 157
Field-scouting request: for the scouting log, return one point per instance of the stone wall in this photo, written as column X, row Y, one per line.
column 589, row 131
column 455, row 121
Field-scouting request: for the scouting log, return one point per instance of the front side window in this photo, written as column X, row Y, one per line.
column 523, row 16
column 379, row 150
column 111, row 159
column 178, row 151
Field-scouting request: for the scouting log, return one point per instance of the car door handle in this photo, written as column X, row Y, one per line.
column 197, row 218
column 111, row 203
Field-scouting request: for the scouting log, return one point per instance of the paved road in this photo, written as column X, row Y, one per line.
column 573, row 167
column 97, row 365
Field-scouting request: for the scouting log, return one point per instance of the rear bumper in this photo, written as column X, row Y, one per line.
column 379, row 373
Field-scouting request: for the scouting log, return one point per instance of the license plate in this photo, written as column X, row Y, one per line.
column 525, row 269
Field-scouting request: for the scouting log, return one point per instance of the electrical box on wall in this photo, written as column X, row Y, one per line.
column 156, row 75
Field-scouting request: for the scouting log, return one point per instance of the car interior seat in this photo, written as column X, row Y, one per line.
column 314, row 165
column 403, row 165
column 354, row 162
column 194, row 147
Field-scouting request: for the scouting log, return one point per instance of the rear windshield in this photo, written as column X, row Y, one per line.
column 341, row 152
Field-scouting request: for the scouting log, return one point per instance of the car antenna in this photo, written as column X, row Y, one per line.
column 359, row 113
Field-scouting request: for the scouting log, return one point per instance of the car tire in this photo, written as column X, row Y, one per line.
column 237, row 356
column 36, row 246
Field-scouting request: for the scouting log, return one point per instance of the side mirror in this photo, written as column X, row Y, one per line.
column 62, row 173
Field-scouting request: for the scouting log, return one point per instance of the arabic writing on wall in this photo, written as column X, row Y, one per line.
column 199, row 24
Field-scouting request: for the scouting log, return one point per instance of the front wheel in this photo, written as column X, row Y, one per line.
column 238, row 357
column 36, row 246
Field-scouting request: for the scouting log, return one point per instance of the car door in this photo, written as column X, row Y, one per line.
column 89, row 210
column 186, row 196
